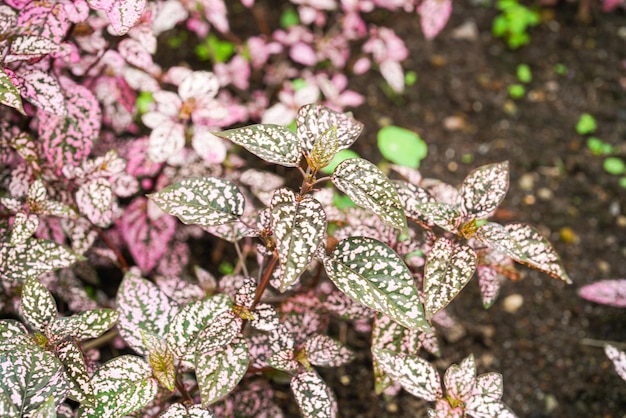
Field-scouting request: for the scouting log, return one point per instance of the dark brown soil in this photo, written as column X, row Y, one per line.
column 549, row 351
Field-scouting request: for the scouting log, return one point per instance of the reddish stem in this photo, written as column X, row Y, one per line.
column 118, row 254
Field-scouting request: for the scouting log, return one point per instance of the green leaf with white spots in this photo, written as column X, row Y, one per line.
column 412, row 197
column 81, row 389
column 122, row 385
column 413, row 373
column 179, row 411
column 24, row 226
column 38, row 306
column 46, row 410
column 12, row 333
column 298, row 224
column 449, row 266
column 324, row 149
column 222, row 330
column 95, row 200
column 85, row 325
column 143, row 307
column 313, row 396
column 443, row 215
column 313, row 121
column 206, row 201
column 369, row 188
column 273, row 143
column 219, row 371
column 33, row 258
column 190, row 320
column 7, row 408
column 373, row 274
column 29, row 377
column 321, row 350
column 161, row 360
column 9, row 95
column 538, row 252
column 483, row 190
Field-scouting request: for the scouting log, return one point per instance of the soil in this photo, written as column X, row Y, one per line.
column 550, row 349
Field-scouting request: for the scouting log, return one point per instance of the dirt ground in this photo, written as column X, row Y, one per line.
column 549, row 350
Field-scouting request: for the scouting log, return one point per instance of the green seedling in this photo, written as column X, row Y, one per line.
column 513, row 22
column 524, row 74
column 599, row 147
column 401, row 146
column 586, row 124
column 516, row 91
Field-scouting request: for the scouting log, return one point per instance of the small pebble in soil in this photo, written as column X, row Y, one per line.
column 526, row 182
column 544, row 193
column 345, row 380
column 392, row 407
column 568, row 235
column 529, row 200
column 513, row 302
column 603, row 266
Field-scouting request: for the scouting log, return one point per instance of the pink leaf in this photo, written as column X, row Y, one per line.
column 606, row 292
column 95, row 199
column 123, row 14
column 434, row 15
column 166, row 141
column 43, row 91
column 147, row 238
column 136, row 54
column 46, row 19
column 198, row 83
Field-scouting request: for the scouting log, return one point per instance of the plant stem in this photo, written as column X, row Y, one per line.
column 109, row 243
column 267, row 274
column 101, row 340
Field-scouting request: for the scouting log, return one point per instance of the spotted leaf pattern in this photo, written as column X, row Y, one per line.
column 122, row 14
column 161, row 360
column 33, row 258
column 43, row 90
column 9, row 94
column 142, row 307
column 84, row 325
column 38, row 306
column 190, row 320
column 177, row 410
column 206, row 201
column 219, row 371
column 95, row 200
column 369, row 188
column 449, row 266
column 483, row 190
column 416, row 375
column 618, row 358
column 373, row 274
column 606, row 292
column 313, row 396
column 459, row 379
column 299, row 224
column 324, row 149
column 538, row 252
column 444, row 215
column 321, row 350
column 412, row 197
column 122, row 385
column 313, row 121
column 81, row 389
column 272, row 143
column 30, row 376
column 24, row 226
column 13, row 333
column 223, row 329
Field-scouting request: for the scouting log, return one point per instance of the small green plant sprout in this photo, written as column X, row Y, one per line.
column 615, row 166
column 524, row 74
column 401, row 146
column 586, row 124
column 516, row 91
column 560, row 68
column 513, row 22
column 599, row 147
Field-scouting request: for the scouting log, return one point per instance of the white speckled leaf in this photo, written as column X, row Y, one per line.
column 24, row 226
column 190, row 320
column 489, row 385
column 142, row 307
column 416, row 375
column 38, row 306
column 30, row 376
column 314, row 120
column 459, row 380
column 324, row 149
column 81, row 389
column 206, row 201
column 443, row 215
column 321, row 350
column 313, row 396
column 387, row 335
column 273, row 143
column 449, row 266
column 483, row 190
column 368, row 187
column 219, row 371
column 46, row 409
column 478, row 407
column 224, row 327
column 298, row 223
column 179, row 411
column 498, row 238
column 13, row 332
column 373, row 274
column 85, row 325
column 618, row 358
column 9, row 95
column 538, row 252
column 161, row 360
column 33, row 258
column 94, row 200
column 411, row 197
column 122, row 385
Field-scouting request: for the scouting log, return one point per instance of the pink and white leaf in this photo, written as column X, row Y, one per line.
column 416, row 375
column 177, row 410
column 618, row 358
column 265, row 317
column 313, row 120
column 81, row 389
column 489, row 385
column 483, row 190
column 219, row 371
column 166, row 140
column 299, row 225
column 321, row 350
column 434, row 15
column 24, row 226
column 95, row 200
column 161, row 360
column 123, row 14
column 393, row 74
column 208, row 146
column 142, row 307
column 222, row 330
column 84, row 325
column 46, row 19
column 9, row 94
column 284, row 360
column 190, row 320
column 136, row 54
column 145, row 237
column 43, row 90
column 38, row 306
column 606, row 292
column 313, row 396
column 197, row 84
column 459, row 380
column 25, row 47
column 449, row 267
column 206, row 201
